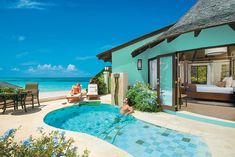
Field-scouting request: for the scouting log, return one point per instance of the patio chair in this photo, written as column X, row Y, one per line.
column 33, row 93
column 92, row 91
column 75, row 94
column 74, row 98
column 6, row 102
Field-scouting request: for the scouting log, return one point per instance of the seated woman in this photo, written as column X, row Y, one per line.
column 126, row 109
column 76, row 89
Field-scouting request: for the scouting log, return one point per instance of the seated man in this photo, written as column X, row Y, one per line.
column 76, row 89
column 126, row 109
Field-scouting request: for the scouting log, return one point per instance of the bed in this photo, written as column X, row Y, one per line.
column 210, row 92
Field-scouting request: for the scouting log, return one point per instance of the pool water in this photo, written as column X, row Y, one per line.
column 139, row 138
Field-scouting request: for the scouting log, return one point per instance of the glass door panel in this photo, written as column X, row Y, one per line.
column 153, row 74
column 166, row 80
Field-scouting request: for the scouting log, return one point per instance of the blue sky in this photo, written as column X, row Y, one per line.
column 61, row 37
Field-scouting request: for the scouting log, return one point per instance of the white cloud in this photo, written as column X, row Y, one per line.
column 30, row 4
column 71, row 67
column 31, row 70
column 55, row 70
column 49, row 67
column 21, row 54
column 21, row 38
column 82, row 58
column 30, row 63
column 15, row 69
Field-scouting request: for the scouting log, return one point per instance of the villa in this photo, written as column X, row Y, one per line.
column 181, row 79
column 192, row 56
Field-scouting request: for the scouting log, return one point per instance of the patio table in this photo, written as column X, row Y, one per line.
column 13, row 99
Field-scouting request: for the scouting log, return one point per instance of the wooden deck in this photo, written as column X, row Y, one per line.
column 213, row 109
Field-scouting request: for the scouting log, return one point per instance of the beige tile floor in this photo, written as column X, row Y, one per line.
column 221, row 140
column 214, row 110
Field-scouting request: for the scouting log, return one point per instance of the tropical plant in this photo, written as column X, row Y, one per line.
column 54, row 144
column 11, row 90
column 99, row 80
column 142, row 98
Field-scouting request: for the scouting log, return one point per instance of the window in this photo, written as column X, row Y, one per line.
column 224, row 71
column 199, row 74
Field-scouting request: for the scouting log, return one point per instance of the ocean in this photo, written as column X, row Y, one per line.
column 50, row 84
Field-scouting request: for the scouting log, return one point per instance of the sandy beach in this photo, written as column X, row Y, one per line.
column 53, row 95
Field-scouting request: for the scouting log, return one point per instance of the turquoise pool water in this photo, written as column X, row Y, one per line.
column 47, row 84
column 139, row 138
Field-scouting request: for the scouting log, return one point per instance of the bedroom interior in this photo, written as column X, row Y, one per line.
column 208, row 75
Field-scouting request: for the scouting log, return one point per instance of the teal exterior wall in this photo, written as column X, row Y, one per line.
column 122, row 60
column 215, row 36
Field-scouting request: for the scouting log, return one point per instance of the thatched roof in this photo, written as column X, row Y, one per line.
column 107, row 55
column 204, row 14
column 9, row 85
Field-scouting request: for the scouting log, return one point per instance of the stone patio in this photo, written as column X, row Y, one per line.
column 219, row 139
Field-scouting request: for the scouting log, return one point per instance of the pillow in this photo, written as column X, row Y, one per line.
column 225, row 79
column 233, row 84
column 220, row 84
column 229, row 82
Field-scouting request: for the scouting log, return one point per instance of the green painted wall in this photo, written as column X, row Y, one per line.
column 122, row 60
column 215, row 36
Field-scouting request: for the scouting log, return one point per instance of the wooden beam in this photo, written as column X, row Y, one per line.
column 232, row 25
column 230, row 61
column 170, row 39
column 197, row 32
column 181, row 56
column 194, row 55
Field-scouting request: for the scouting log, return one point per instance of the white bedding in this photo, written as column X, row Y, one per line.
column 214, row 89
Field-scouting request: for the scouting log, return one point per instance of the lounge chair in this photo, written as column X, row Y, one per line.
column 92, row 91
column 74, row 98
column 33, row 92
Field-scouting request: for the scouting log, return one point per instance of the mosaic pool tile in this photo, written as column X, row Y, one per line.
column 165, row 134
column 148, row 150
column 136, row 137
column 140, row 142
column 186, row 139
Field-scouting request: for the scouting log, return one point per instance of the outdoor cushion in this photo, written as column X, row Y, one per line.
column 220, row 84
column 229, row 82
column 233, row 84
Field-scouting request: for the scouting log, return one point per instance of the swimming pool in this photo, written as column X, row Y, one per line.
column 139, row 138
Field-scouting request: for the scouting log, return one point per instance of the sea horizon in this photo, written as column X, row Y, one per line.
column 49, row 84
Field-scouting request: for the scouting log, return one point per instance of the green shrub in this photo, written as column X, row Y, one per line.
column 11, row 90
column 53, row 144
column 99, row 80
column 142, row 98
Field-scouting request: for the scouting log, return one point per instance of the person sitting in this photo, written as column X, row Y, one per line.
column 126, row 109
column 76, row 89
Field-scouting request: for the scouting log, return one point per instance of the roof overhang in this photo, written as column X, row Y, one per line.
column 215, row 13
column 106, row 56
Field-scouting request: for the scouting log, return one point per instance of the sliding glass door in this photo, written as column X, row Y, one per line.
column 166, row 80
column 161, row 79
column 153, row 74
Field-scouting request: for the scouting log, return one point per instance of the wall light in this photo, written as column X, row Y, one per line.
column 139, row 64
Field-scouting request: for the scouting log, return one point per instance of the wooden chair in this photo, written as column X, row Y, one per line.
column 7, row 101
column 92, row 91
column 33, row 93
column 183, row 98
